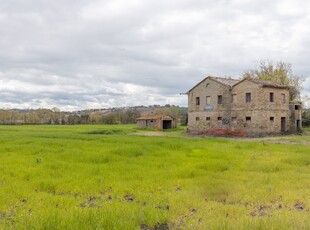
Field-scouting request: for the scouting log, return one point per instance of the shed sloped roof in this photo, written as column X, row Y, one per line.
column 154, row 117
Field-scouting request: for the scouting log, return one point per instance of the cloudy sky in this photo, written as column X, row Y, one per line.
column 78, row 54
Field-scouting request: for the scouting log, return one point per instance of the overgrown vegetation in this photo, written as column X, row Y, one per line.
column 63, row 177
column 279, row 72
column 306, row 118
column 127, row 115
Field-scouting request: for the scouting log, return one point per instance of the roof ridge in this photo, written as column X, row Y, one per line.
column 152, row 116
column 220, row 80
column 268, row 83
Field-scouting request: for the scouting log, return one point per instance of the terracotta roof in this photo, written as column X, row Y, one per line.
column 153, row 117
column 268, row 83
column 225, row 81
column 232, row 82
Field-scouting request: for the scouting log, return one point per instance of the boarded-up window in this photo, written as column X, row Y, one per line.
column 208, row 100
column 271, row 97
column 248, row 97
column 197, row 101
column 219, row 99
column 283, row 99
column 234, row 98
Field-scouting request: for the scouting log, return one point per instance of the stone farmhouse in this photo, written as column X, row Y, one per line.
column 252, row 107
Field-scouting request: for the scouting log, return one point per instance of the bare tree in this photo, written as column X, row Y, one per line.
column 171, row 111
column 279, row 72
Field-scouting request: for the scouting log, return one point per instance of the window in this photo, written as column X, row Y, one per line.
column 208, row 100
column 208, row 118
column 248, row 118
column 283, row 99
column 197, row 118
column 271, row 97
column 248, row 97
column 234, row 98
column 271, row 119
column 219, row 99
column 197, row 101
column 297, row 107
column 219, row 118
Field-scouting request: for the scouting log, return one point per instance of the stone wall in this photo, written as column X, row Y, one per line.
column 258, row 117
column 197, row 116
column 156, row 123
column 296, row 117
column 265, row 115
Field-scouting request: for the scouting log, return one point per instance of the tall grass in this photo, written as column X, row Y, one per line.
column 102, row 177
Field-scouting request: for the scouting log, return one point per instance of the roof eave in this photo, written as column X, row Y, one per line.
column 274, row 86
column 211, row 78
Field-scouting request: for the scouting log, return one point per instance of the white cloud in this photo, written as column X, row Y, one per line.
column 92, row 54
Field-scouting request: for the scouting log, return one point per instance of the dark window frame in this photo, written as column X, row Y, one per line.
column 248, row 97
column 197, row 100
column 271, row 97
column 219, row 99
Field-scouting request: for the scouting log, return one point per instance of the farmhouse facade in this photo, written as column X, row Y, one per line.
column 158, row 122
column 252, row 107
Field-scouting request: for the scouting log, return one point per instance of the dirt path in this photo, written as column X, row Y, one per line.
column 287, row 140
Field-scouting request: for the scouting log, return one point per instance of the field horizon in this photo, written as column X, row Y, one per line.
column 120, row 177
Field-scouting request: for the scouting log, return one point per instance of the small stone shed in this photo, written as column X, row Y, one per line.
column 158, row 122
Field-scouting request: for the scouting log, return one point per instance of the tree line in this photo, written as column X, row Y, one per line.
column 57, row 117
column 111, row 116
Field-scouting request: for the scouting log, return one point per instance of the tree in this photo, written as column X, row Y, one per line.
column 279, row 72
column 306, row 102
column 171, row 111
column 306, row 118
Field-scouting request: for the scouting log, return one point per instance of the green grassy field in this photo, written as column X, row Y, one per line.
column 118, row 177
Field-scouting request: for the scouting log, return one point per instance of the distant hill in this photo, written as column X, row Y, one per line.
column 116, row 115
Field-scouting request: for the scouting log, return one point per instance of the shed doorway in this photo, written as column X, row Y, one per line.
column 167, row 124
